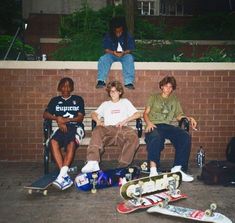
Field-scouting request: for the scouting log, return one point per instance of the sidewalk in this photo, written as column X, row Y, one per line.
column 76, row 206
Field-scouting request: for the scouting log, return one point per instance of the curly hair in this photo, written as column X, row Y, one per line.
column 166, row 80
column 117, row 85
column 63, row 81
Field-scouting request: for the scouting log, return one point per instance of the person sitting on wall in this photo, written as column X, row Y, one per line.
column 113, row 129
column 68, row 111
column 118, row 45
column 160, row 111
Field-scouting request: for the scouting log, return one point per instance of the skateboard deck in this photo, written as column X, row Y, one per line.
column 150, row 185
column 41, row 184
column 205, row 216
column 103, row 179
column 144, row 202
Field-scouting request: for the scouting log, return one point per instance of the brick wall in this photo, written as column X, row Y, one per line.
column 208, row 95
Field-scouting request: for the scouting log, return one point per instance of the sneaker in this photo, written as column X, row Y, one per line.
column 63, row 183
column 67, row 182
column 130, row 86
column 57, row 183
column 91, row 166
column 185, row 177
column 100, row 84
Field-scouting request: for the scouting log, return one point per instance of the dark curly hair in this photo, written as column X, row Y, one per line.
column 166, row 80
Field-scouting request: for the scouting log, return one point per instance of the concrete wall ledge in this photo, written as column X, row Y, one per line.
column 83, row 65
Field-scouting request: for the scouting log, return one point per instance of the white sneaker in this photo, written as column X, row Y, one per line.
column 91, row 166
column 185, row 177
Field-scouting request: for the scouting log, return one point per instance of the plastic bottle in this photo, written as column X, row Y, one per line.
column 200, row 157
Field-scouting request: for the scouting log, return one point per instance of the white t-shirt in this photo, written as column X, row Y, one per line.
column 114, row 113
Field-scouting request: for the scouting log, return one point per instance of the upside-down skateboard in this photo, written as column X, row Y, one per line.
column 150, row 185
column 103, row 179
column 205, row 216
column 41, row 184
column 144, row 202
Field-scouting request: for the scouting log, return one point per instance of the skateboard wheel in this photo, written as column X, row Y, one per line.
column 160, row 204
column 140, row 183
column 93, row 191
column 30, row 191
column 178, row 192
column 208, row 212
column 94, row 175
column 130, row 170
column 45, row 192
column 213, row 206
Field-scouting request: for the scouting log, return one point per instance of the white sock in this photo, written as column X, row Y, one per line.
column 153, row 170
column 63, row 172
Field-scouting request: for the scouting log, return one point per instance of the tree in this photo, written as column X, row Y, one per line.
column 129, row 7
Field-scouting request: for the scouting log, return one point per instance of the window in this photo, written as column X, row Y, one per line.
column 172, row 7
column 145, row 7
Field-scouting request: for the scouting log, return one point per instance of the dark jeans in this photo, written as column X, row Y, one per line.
column 180, row 139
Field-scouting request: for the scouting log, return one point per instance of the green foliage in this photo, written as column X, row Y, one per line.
column 156, row 52
column 216, row 26
column 146, row 30
column 5, row 42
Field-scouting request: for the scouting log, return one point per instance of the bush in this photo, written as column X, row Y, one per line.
column 17, row 47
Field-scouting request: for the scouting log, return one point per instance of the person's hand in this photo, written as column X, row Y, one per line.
column 118, row 54
column 61, row 121
column 150, row 127
column 121, row 124
column 99, row 123
column 193, row 123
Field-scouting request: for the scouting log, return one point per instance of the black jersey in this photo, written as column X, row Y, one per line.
column 67, row 108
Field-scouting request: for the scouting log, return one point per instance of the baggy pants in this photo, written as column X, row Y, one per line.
column 125, row 138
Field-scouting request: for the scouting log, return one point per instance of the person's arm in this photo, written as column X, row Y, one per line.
column 135, row 116
column 96, row 118
column 149, row 125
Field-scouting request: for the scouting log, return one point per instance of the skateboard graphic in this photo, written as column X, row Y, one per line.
column 205, row 216
column 103, row 179
column 149, row 185
column 41, row 184
column 144, row 202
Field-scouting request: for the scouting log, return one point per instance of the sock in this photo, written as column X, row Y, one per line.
column 63, row 172
column 153, row 170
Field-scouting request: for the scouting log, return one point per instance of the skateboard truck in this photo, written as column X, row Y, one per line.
column 173, row 188
column 138, row 190
column 94, row 182
column 211, row 210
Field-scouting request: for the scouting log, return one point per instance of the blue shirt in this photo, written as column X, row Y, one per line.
column 128, row 44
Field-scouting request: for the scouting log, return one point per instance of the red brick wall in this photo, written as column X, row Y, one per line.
column 209, row 96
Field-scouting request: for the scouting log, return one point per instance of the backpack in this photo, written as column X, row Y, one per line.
column 230, row 152
column 218, row 173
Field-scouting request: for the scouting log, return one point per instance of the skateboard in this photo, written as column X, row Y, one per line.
column 144, row 202
column 205, row 216
column 107, row 178
column 41, row 184
column 150, row 185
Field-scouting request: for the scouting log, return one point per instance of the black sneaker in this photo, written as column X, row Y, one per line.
column 130, row 86
column 100, row 84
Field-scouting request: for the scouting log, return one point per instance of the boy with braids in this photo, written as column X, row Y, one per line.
column 118, row 45
column 68, row 111
column 160, row 111
column 113, row 129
